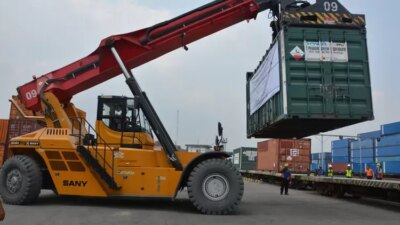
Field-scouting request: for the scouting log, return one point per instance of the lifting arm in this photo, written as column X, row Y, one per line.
column 139, row 47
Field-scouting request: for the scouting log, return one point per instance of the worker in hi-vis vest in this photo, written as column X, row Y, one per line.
column 349, row 171
column 379, row 169
column 330, row 171
column 369, row 172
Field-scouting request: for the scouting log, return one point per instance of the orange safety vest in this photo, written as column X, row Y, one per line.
column 369, row 172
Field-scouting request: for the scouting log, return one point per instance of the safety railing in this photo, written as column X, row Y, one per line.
column 92, row 141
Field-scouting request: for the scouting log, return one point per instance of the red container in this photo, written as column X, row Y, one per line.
column 3, row 131
column 273, row 154
column 2, row 152
column 21, row 127
column 339, row 167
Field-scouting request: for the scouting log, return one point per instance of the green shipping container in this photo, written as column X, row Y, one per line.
column 245, row 158
column 312, row 80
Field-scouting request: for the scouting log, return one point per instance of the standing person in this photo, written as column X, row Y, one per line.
column 369, row 172
column 349, row 171
column 286, row 177
column 379, row 169
column 330, row 171
column 320, row 171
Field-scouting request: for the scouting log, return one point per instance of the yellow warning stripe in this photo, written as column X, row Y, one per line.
column 356, row 20
column 315, row 22
column 334, row 17
column 293, row 16
column 320, row 17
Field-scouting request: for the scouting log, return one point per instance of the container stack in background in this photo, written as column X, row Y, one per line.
column 363, row 154
column 17, row 126
column 245, row 158
column 381, row 146
column 273, row 154
column 388, row 148
column 320, row 160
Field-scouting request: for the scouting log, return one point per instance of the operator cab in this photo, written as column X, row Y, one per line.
column 120, row 122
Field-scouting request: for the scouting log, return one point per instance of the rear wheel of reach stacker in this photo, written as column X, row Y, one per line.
column 215, row 186
column 20, row 180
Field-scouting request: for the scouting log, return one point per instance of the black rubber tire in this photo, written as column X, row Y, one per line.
column 218, row 167
column 31, row 180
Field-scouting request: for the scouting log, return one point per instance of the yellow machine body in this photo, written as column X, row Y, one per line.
column 138, row 172
column 142, row 172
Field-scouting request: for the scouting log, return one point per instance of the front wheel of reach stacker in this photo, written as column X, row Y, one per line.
column 215, row 186
column 20, row 180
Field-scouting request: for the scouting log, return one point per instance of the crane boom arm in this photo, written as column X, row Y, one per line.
column 139, row 47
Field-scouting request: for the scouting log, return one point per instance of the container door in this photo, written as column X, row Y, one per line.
column 328, row 89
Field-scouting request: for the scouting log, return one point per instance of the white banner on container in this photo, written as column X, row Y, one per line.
column 265, row 82
column 236, row 159
column 340, row 52
column 313, row 50
column 251, row 155
column 325, row 51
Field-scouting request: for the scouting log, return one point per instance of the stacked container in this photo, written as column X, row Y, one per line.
column 341, row 151
column 388, row 148
column 245, row 158
column 17, row 125
column 363, row 151
column 273, row 154
column 321, row 160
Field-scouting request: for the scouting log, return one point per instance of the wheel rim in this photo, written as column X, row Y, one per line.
column 215, row 187
column 14, row 181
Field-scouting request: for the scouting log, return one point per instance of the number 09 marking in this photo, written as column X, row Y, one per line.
column 331, row 6
column 31, row 94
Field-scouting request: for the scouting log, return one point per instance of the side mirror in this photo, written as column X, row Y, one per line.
column 220, row 129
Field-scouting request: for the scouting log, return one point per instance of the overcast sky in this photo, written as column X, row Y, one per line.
column 206, row 84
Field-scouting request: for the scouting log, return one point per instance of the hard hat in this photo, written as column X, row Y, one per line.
column 286, row 165
column 378, row 164
column 330, row 166
column 348, row 165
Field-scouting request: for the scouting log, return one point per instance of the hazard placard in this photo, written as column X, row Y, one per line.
column 297, row 53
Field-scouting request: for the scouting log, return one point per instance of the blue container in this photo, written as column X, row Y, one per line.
column 388, row 159
column 345, row 143
column 391, row 168
column 340, row 159
column 370, row 135
column 390, row 129
column 314, row 166
column 363, row 160
column 367, row 143
column 364, row 153
column 387, row 141
column 340, row 152
column 388, row 151
column 319, row 156
column 315, row 156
